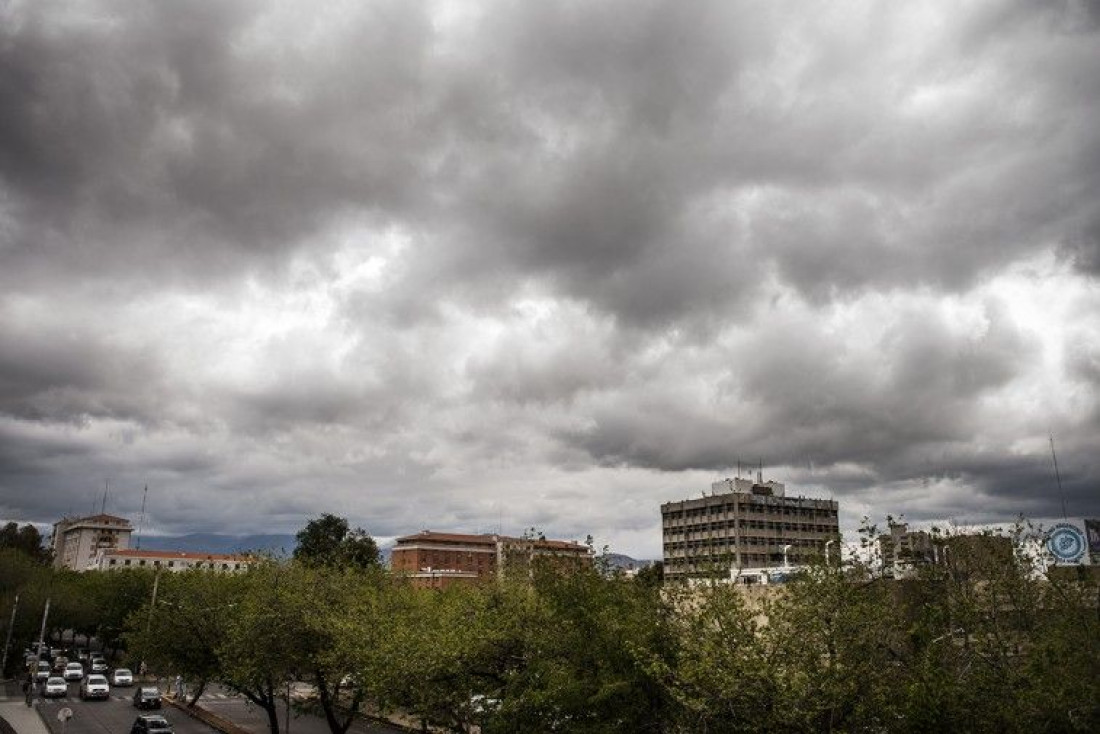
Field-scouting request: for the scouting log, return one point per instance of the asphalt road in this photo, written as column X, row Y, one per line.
column 114, row 716
column 251, row 717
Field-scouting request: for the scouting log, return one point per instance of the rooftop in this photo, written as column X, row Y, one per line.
column 177, row 555
column 487, row 539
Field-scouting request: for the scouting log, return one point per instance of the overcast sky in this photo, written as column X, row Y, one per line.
column 464, row 266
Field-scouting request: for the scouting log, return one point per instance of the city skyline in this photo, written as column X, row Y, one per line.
column 512, row 265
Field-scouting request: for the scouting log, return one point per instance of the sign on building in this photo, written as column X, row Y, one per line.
column 1066, row 543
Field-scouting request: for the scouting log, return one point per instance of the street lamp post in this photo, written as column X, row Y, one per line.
column 785, row 549
column 827, row 544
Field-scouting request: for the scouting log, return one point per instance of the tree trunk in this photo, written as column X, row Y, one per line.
column 199, row 688
column 329, row 705
column 272, row 717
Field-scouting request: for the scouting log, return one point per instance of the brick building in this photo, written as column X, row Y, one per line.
column 744, row 524
column 440, row 559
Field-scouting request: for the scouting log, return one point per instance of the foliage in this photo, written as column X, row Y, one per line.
column 328, row 541
column 26, row 539
column 978, row 641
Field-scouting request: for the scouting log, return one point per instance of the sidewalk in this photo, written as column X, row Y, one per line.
column 14, row 711
column 22, row 719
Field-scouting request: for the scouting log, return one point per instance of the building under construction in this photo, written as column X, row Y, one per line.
column 744, row 524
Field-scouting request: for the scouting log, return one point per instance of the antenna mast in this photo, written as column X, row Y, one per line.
column 141, row 522
column 1057, row 476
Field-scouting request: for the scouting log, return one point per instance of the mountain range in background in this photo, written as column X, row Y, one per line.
column 278, row 545
column 283, row 545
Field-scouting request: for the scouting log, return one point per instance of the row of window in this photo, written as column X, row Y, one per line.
column 746, row 509
column 700, row 564
column 760, row 525
column 236, row 566
column 729, row 543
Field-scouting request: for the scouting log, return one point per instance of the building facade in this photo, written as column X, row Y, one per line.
column 903, row 552
column 435, row 560
column 744, row 524
column 174, row 561
column 76, row 541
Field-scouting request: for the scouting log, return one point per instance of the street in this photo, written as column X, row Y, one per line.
column 117, row 714
column 114, row 716
column 249, row 716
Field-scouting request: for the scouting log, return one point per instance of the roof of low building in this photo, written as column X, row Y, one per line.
column 489, row 539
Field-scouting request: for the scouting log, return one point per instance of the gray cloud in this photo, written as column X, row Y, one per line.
column 523, row 254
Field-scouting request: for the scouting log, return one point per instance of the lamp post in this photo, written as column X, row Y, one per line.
column 827, row 544
column 785, row 549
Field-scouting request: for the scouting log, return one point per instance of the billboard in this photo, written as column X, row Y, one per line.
column 1066, row 543
column 1092, row 535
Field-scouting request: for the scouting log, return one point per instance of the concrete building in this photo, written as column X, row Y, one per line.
column 114, row 560
column 744, row 524
column 969, row 551
column 77, row 540
column 435, row 560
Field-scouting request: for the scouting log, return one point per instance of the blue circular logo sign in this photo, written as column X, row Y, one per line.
column 1066, row 543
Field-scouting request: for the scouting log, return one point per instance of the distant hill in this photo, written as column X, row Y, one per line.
column 213, row 543
column 279, row 545
column 624, row 563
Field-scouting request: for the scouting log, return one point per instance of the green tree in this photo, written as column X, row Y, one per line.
column 187, row 628
column 262, row 650
column 588, row 658
column 329, row 541
column 26, row 539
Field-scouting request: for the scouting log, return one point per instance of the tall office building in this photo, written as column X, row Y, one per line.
column 744, row 524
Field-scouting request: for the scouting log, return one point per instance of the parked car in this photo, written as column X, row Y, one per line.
column 42, row 671
column 94, row 686
column 151, row 724
column 73, row 671
column 56, row 687
column 122, row 677
column 147, row 698
column 99, row 665
column 59, row 663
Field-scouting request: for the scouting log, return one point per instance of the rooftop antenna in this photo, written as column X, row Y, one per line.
column 760, row 472
column 103, row 505
column 141, row 522
column 1058, row 477
column 738, row 468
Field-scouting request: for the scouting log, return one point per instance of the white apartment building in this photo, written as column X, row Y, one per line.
column 77, row 540
column 115, row 560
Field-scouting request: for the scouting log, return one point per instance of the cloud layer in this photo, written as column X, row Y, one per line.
column 551, row 264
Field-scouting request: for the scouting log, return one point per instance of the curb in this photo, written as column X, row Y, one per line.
column 210, row 719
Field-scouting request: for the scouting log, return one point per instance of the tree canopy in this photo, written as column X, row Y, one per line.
column 329, row 541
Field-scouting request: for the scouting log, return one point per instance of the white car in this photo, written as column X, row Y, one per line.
column 56, row 688
column 99, row 665
column 122, row 677
column 94, row 686
column 74, row 671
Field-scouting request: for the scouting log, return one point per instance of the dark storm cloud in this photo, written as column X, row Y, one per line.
column 253, row 249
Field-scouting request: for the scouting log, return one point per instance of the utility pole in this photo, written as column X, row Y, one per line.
column 42, row 631
column 7, row 642
column 153, row 602
column 1057, row 476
